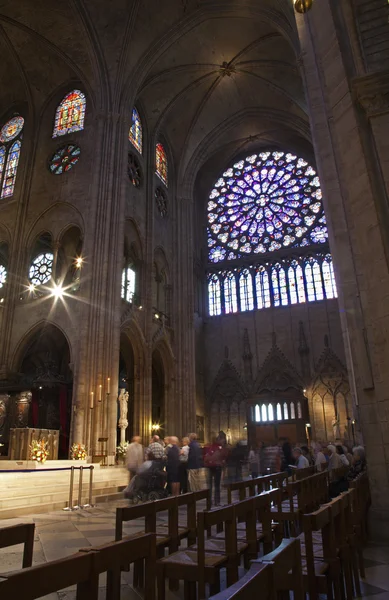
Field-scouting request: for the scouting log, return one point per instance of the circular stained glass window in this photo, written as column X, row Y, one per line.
column 41, row 268
column 64, row 159
column 134, row 170
column 264, row 203
column 11, row 129
column 161, row 200
column 3, row 275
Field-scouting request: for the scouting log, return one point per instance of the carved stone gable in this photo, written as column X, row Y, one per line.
column 277, row 373
column 228, row 384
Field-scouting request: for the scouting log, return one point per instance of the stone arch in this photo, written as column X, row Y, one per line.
column 56, row 219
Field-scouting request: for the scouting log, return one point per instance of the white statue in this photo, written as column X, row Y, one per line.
column 123, row 422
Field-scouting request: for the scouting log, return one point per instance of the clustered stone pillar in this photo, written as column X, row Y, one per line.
column 349, row 115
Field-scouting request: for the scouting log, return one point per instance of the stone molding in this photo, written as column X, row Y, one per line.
column 372, row 93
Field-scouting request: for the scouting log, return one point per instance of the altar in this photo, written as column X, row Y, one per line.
column 20, row 440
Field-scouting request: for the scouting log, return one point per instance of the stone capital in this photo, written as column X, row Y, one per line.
column 372, row 93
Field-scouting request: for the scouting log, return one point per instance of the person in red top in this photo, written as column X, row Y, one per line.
column 214, row 460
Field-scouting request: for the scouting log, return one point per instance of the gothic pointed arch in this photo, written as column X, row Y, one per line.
column 277, row 373
column 228, row 384
column 228, row 396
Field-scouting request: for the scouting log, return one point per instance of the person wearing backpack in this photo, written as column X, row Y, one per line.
column 214, row 460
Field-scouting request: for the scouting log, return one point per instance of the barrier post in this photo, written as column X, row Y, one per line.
column 90, row 505
column 70, row 507
column 79, row 489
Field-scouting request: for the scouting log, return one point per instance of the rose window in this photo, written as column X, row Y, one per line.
column 41, row 269
column 64, row 159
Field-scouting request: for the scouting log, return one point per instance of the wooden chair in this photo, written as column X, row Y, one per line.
column 259, row 577
column 286, row 561
column 19, row 534
column 83, row 570
column 201, row 566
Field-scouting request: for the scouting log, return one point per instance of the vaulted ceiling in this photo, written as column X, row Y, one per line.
column 212, row 77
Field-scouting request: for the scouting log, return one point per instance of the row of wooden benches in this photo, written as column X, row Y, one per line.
column 331, row 538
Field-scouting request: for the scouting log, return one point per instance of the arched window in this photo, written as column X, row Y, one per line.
column 128, row 284
column 11, row 142
column 41, row 268
column 161, row 163
column 257, row 414
column 269, row 202
column 270, row 412
column 70, row 114
column 246, row 290
column 299, row 412
column 264, row 412
column 286, row 414
column 279, row 412
column 135, row 134
column 230, row 299
column 292, row 411
column 214, row 295
column 329, row 278
column 262, row 288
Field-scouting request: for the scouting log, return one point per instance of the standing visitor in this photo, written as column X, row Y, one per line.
column 194, row 463
column 134, row 456
column 155, row 448
column 342, row 456
column 301, row 460
column 183, row 470
column 214, row 460
column 359, row 462
column 172, row 465
column 254, row 461
column 320, row 459
column 308, row 455
column 335, row 460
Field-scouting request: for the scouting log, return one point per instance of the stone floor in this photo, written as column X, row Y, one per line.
column 59, row 534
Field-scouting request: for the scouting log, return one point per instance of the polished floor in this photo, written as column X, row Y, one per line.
column 59, row 534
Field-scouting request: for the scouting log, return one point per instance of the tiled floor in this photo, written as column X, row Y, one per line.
column 60, row 534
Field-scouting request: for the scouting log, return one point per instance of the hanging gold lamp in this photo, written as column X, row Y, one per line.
column 302, row 6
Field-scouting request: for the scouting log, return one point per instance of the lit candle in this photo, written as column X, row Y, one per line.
column 108, row 385
column 100, row 390
column 91, row 399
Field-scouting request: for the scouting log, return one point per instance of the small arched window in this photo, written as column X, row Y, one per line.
column 292, row 411
column 286, row 413
column 257, row 414
column 161, row 163
column 214, row 295
column 246, row 291
column 270, row 412
column 128, row 284
column 135, row 135
column 262, row 288
column 11, row 142
column 329, row 278
column 279, row 412
column 299, row 411
column 230, row 299
column 264, row 412
column 70, row 114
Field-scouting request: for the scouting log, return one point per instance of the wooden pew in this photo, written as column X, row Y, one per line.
column 298, row 474
column 200, row 566
column 19, row 534
column 286, row 560
column 81, row 569
column 259, row 577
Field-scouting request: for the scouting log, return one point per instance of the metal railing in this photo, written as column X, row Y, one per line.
column 71, row 506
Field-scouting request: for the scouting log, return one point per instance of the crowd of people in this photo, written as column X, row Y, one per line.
column 179, row 466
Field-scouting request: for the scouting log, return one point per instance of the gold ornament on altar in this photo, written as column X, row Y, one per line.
column 39, row 451
column 78, row 452
column 302, row 6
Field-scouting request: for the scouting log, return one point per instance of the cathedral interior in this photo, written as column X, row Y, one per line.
column 194, row 209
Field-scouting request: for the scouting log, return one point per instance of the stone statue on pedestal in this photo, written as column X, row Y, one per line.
column 123, row 422
column 336, row 429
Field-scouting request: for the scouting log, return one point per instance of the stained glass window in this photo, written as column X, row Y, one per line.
column 41, row 268
column 2, row 161
column 11, row 169
column 161, row 163
column 70, row 114
column 299, row 412
column 262, row 288
column 292, row 411
column 279, row 412
column 3, row 275
column 246, row 291
column 135, row 133
column 64, row 159
column 214, row 295
column 230, row 299
column 11, row 129
column 266, row 202
column 329, row 278
column 128, row 284
column 270, row 412
column 264, row 412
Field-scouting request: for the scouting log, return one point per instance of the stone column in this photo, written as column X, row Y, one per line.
column 351, row 148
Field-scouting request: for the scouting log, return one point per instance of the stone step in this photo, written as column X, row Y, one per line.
column 19, row 498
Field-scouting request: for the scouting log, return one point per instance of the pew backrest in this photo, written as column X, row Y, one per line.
column 259, row 577
column 19, row 534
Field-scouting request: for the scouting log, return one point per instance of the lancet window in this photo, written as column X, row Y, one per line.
column 10, row 145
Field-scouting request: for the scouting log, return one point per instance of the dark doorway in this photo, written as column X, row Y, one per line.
column 45, row 368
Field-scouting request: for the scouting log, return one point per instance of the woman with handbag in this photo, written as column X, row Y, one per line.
column 214, row 460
